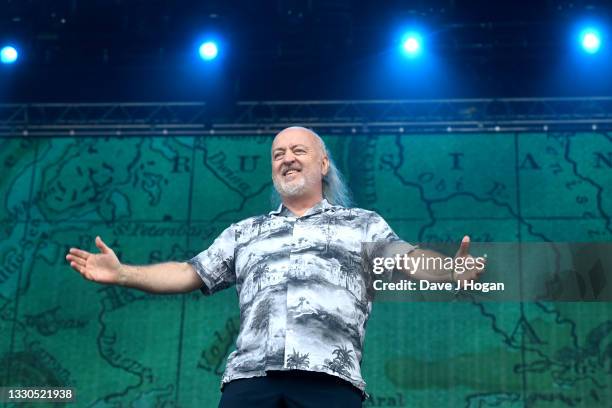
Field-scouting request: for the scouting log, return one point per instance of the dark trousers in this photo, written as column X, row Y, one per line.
column 291, row 389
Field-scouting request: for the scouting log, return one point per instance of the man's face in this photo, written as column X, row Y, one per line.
column 298, row 164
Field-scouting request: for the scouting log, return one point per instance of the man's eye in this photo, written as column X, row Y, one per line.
column 278, row 156
column 300, row 151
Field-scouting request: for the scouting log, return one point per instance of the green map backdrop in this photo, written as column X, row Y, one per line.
column 166, row 198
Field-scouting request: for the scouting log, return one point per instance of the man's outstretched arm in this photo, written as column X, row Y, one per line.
column 105, row 267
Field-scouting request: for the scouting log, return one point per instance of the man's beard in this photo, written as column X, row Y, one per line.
column 290, row 189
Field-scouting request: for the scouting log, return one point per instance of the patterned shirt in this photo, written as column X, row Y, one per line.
column 302, row 290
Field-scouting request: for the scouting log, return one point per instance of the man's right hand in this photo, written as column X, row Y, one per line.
column 102, row 268
column 167, row 277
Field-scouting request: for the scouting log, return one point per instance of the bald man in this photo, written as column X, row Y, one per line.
column 304, row 298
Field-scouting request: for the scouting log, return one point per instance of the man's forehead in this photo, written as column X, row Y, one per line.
column 290, row 137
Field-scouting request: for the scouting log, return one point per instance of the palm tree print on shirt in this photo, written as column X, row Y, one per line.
column 342, row 362
column 261, row 321
column 297, row 360
column 258, row 274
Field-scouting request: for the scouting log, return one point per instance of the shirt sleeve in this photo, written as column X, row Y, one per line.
column 383, row 242
column 378, row 230
column 215, row 265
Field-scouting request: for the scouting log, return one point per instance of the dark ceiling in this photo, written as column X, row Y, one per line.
column 118, row 50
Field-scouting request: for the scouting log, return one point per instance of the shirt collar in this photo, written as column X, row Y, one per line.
column 317, row 208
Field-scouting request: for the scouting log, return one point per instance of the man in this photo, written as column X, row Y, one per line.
column 304, row 296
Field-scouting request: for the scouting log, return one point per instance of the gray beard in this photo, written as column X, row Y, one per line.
column 289, row 189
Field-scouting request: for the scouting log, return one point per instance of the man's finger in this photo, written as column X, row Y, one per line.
column 77, row 267
column 464, row 248
column 76, row 259
column 84, row 272
column 102, row 246
column 80, row 253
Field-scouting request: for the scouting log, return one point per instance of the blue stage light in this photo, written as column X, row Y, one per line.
column 411, row 44
column 8, row 55
column 209, row 50
column 590, row 40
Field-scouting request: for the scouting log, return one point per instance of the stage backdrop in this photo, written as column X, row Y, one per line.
column 166, row 198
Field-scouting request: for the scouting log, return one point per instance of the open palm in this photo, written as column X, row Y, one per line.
column 102, row 268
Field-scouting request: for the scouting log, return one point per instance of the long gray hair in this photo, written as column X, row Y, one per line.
column 334, row 188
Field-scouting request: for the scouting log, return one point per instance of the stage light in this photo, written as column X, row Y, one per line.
column 208, row 50
column 411, row 44
column 590, row 40
column 8, row 55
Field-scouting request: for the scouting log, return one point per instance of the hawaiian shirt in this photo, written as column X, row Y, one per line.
column 302, row 289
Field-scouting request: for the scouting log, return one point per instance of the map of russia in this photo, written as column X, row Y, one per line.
column 166, row 198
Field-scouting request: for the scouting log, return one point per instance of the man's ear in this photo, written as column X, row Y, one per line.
column 325, row 165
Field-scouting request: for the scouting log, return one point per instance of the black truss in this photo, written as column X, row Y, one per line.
column 359, row 116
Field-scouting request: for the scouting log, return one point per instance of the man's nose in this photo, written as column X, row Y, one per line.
column 288, row 157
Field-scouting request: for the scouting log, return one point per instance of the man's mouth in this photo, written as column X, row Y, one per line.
column 290, row 171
